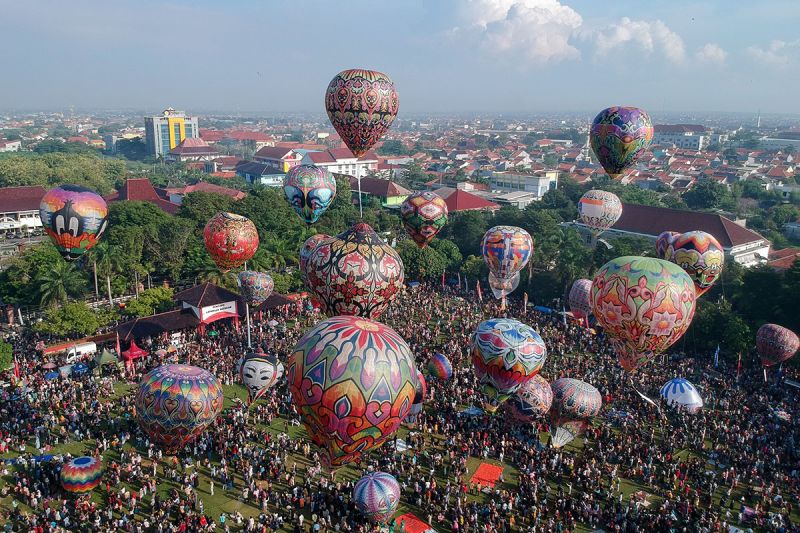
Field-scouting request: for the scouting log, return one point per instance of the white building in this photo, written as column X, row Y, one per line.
column 19, row 209
column 10, row 146
column 342, row 161
column 689, row 136
column 537, row 184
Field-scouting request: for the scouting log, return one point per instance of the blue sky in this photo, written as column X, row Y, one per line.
column 444, row 55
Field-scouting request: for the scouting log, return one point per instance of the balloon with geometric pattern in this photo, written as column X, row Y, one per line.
column 307, row 249
column 575, row 402
column 619, row 136
column 506, row 250
column 579, row 298
column 701, row 256
column 531, row 401
column 81, row 474
column 678, row 392
column 376, row 496
column 424, row 214
column 664, row 242
column 352, row 382
column 310, row 190
column 361, row 105
column 439, row 367
column 776, row 344
column 230, row 239
column 255, row 287
column 176, row 403
column 599, row 210
column 74, row 217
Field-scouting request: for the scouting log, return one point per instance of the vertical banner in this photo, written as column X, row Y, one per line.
column 443, row 280
column 478, row 289
column 525, row 301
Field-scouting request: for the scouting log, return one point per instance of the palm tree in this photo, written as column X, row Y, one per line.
column 57, row 285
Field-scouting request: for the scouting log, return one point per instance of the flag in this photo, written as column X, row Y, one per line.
column 739, row 367
column 119, row 349
column 525, row 301
column 443, row 280
column 459, row 279
column 716, row 357
column 478, row 289
column 16, row 367
column 564, row 315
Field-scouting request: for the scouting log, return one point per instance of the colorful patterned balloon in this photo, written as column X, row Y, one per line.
column 599, row 210
column 376, row 496
column 419, row 399
column 230, row 239
column 361, row 105
column 259, row 373
column 74, row 217
column 352, row 381
column 579, row 298
column 175, row 403
column 575, row 402
column 644, row 305
column 355, row 273
column 619, row 136
column 776, row 344
column 503, row 287
column 439, row 367
column 255, row 287
column 680, row 393
column 82, row 474
column 308, row 247
column 506, row 250
column 310, row 190
column 701, row 256
column 424, row 214
column 531, row 401
column 506, row 354
column 664, row 244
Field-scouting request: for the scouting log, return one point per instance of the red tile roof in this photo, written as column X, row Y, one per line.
column 205, row 294
column 193, row 146
column 212, row 135
column 16, row 199
column 783, row 259
column 275, row 152
column 460, row 200
column 379, row 187
column 255, row 136
column 202, row 186
column 345, row 153
column 140, row 189
column 679, row 128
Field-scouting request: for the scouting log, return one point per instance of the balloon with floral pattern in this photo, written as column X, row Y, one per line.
column 579, row 298
column 776, row 344
column 307, row 249
column 531, row 401
column 644, row 305
column 575, row 402
column 230, row 240
column 310, row 190
column 619, row 136
column 664, row 244
column 701, row 256
column 424, row 214
column 255, row 286
column 352, row 382
column 74, row 218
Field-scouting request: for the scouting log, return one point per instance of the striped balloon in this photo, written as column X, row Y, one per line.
column 376, row 496
column 679, row 392
column 439, row 367
column 82, row 474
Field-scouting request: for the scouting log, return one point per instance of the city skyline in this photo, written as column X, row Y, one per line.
column 481, row 56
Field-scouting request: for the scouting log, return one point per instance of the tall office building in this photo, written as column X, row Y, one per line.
column 166, row 131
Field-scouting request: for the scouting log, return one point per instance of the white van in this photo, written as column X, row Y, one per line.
column 78, row 351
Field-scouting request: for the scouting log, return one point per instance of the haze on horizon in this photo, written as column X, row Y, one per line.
column 444, row 55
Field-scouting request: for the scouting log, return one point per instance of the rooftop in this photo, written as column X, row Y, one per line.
column 16, row 199
column 378, row 187
column 140, row 189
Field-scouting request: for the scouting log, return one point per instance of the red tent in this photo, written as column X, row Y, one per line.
column 134, row 352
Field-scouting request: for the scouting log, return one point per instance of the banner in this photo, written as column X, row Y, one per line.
column 716, row 357
column 478, row 289
column 214, row 312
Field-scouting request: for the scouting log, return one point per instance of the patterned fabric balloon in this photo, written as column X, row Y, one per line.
column 579, row 298
column 419, row 398
column 255, row 287
column 361, row 105
column 619, row 136
column 506, row 354
column 352, row 382
column 680, row 393
column 776, row 344
column 506, row 250
column 575, row 402
column 599, row 210
column 424, row 214
column 82, row 474
column 307, row 249
column 644, row 305
column 439, row 367
column 664, row 244
column 503, row 287
column 230, row 239
column 531, row 401
column 355, row 273
column 376, row 496
column 74, row 217
column 701, row 256
column 259, row 373
column 310, row 190
column 175, row 403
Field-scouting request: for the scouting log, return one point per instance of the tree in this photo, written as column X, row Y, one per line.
column 60, row 283
column 466, row 229
column 74, row 318
column 392, row 147
column 715, row 323
column 150, row 302
column 49, row 146
column 551, row 160
column 421, row 263
column 6, row 356
column 449, row 251
column 474, row 267
column 166, row 244
column 706, row 195
column 17, row 279
column 200, row 206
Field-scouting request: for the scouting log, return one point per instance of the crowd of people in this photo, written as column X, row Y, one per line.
column 641, row 466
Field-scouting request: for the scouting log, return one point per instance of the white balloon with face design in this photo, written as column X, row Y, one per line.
column 259, row 373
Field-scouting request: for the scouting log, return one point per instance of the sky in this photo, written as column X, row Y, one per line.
column 443, row 55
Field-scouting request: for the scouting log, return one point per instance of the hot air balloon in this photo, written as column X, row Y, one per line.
column 776, row 344
column 679, row 392
column 352, row 382
column 506, row 250
column 259, row 373
column 361, row 106
column 81, row 474
column 619, row 136
column 644, row 305
column 74, row 217
column 308, row 247
column 419, row 399
column 355, row 273
column 506, row 354
column 310, row 190
column 575, row 402
column 255, row 287
column 423, row 213
column 664, row 244
column 531, row 401
column 503, row 287
column 230, row 239
column 439, row 367
column 599, row 210
column 579, row 298
column 376, row 496
column 701, row 256
column 175, row 403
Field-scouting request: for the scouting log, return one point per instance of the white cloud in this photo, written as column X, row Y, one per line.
column 648, row 36
column 711, row 53
column 540, row 30
column 777, row 54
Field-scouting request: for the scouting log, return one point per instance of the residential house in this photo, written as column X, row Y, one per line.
column 141, row 190
column 263, row 173
column 281, row 159
column 192, row 149
column 19, row 208
column 388, row 192
column 342, row 161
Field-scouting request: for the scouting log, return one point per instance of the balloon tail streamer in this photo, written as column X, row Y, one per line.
column 645, row 398
column 360, row 209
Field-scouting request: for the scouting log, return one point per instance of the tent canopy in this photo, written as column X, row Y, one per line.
column 134, row 352
column 105, row 358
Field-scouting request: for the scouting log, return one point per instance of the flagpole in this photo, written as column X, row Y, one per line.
column 247, row 311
